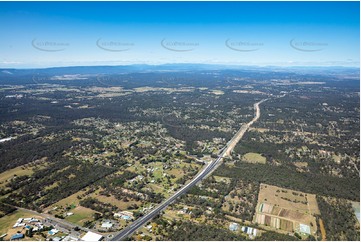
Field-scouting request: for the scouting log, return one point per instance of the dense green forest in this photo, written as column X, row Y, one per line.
column 274, row 236
column 339, row 219
column 6, row 209
column 184, row 230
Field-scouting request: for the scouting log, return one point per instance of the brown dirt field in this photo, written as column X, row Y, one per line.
column 283, row 213
column 275, row 210
column 323, row 230
column 286, row 225
column 267, row 220
column 267, row 193
column 300, row 164
column 261, row 130
column 120, row 204
column 291, row 214
column 312, row 204
column 284, row 208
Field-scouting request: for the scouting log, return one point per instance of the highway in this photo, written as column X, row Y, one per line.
column 238, row 136
column 208, row 169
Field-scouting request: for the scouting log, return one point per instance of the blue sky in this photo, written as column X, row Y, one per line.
column 42, row 34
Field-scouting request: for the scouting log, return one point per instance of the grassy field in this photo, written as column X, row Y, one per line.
column 171, row 214
column 137, row 167
column 158, row 174
column 118, row 203
column 300, row 164
column 222, row 179
column 217, row 92
column 261, row 130
column 163, row 89
column 81, row 214
column 176, row 172
column 157, row 189
column 71, row 200
column 24, row 170
column 18, row 171
column 254, row 158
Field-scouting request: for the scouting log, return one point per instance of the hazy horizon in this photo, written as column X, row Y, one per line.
column 180, row 64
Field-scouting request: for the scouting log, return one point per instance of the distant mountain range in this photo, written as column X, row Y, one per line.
column 174, row 67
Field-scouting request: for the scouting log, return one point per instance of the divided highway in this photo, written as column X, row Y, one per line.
column 210, row 167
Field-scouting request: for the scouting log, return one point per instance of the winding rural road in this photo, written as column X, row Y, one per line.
column 207, row 170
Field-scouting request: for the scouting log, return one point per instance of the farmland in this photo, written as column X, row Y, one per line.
column 286, row 209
